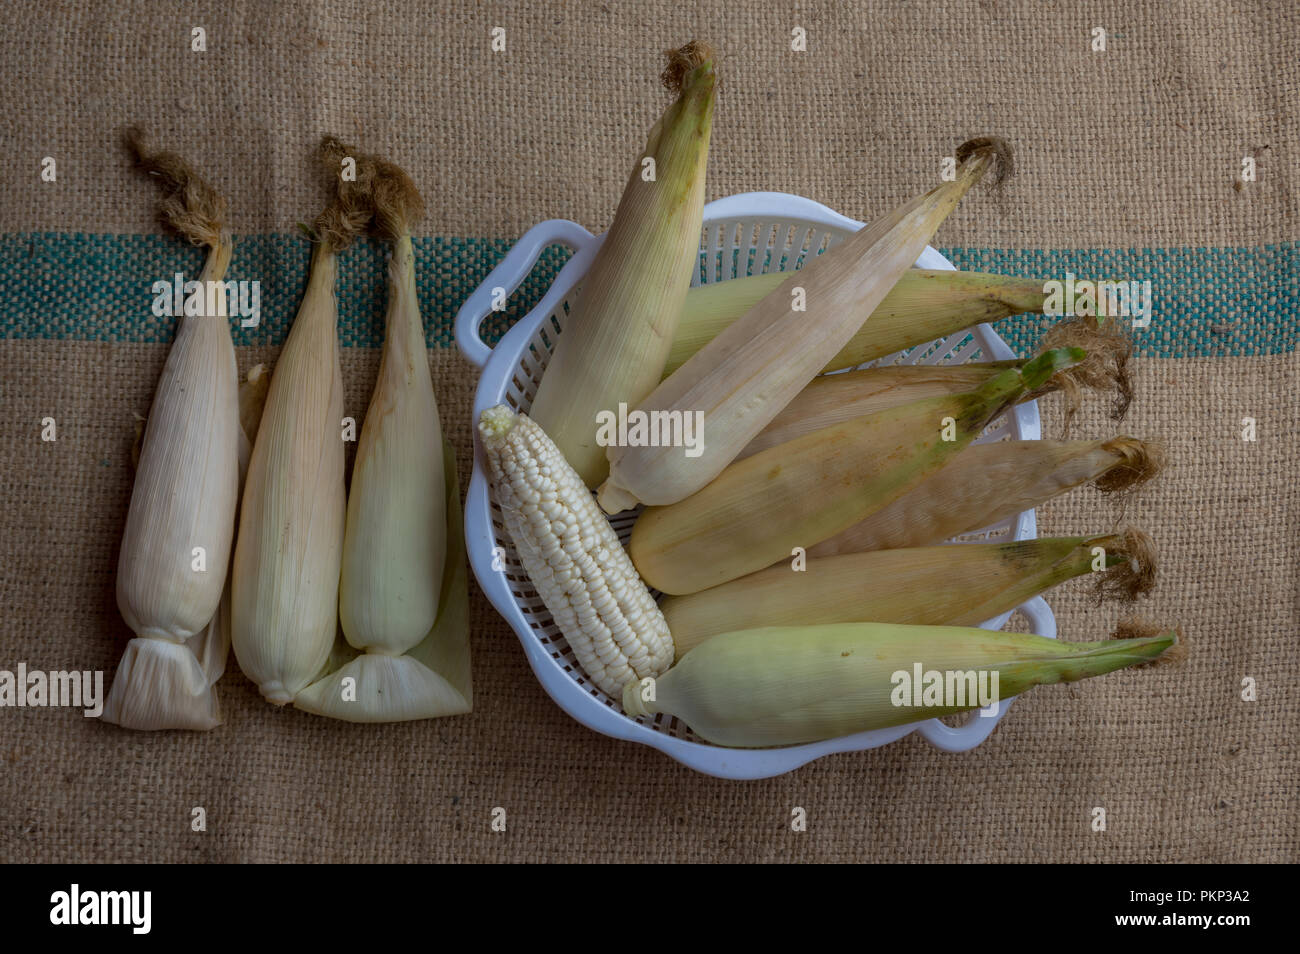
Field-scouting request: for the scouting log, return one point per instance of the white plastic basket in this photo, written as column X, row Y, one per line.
column 752, row 233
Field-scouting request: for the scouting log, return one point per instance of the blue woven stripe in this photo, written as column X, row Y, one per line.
column 1250, row 296
column 1206, row 302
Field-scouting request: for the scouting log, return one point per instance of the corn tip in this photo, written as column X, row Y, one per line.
column 632, row 705
column 496, row 422
column 683, row 61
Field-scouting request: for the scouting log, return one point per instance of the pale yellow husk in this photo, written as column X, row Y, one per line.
column 925, row 304
column 160, row 684
column 833, row 398
column 185, row 495
column 396, row 537
column 941, row 585
column 617, row 336
column 430, row 680
column 988, row 483
column 285, row 576
column 187, row 483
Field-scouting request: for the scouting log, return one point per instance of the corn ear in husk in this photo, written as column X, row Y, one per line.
column 924, row 305
column 942, row 585
column 988, row 483
column 396, row 537
column 617, row 336
column 285, row 577
column 157, row 685
column 180, row 525
column 395, row 567
column 785, row 685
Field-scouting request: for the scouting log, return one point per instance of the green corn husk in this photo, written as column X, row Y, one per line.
column 617, row 337
column 988, row 483
column 786, row 685
column 832, row 398
column 812, row 488
column 925, row 304
column 944, row 585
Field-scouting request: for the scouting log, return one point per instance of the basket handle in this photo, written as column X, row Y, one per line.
column 979, row 727
column 508, row 275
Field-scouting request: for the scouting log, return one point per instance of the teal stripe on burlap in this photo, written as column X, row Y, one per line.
column 1208, row 302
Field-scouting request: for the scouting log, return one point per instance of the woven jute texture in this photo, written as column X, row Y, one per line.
column 1136, row 147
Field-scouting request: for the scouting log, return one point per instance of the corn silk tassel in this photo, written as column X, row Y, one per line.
column 738, row 382
column 988, row 483
column 180, row 526
column 403, row 595
column 285, row 577
column 617, row 336
column 785, row 685
column 943, row 585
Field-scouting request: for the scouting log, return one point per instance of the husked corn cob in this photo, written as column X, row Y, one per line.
column 742, row 379
column 784, row 685
column 942, row 585
column 990, row 482
column 572, row 555
column 810, row 489
column 925, row 304
column 617, row 336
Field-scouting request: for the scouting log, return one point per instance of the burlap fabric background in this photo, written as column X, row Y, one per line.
column 1134, row 148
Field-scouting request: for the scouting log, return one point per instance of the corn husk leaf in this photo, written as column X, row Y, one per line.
column 431, row 680
column 943, row 585
column 157, row 684
column 789, row 685
column 924, row 305
column 988, row 483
